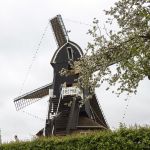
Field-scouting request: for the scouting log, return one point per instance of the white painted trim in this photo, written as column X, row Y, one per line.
column 56, row 53
column 58, row 50
column 81, row 53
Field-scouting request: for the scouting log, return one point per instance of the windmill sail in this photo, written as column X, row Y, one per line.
column 59, row 30
column 68, row 111
column 31, row 97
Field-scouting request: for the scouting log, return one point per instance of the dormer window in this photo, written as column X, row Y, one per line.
column 70, row 53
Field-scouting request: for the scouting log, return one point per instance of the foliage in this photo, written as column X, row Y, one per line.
column 123, row 138
column 119, row 57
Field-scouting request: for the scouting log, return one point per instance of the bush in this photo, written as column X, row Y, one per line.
column 122, row 139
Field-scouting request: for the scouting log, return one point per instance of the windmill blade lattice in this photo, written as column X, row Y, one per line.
column 59, row 30
column 32, row 97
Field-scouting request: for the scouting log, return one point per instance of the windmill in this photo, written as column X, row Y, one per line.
column 68, row 111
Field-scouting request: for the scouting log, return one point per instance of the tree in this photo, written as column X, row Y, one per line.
column 119, row 57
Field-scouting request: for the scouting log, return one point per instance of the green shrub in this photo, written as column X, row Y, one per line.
column 137, row 138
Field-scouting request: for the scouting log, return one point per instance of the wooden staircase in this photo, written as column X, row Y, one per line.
column 64, row 115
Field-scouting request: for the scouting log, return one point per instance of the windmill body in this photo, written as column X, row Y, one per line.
column 68, row 111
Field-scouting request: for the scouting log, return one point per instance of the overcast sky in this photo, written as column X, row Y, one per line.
column 22, row 23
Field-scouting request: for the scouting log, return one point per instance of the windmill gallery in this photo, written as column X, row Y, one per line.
column 68, row 111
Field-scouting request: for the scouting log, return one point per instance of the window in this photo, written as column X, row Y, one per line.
column 70, row 53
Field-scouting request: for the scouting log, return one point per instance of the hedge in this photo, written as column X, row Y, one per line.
column 122, row 139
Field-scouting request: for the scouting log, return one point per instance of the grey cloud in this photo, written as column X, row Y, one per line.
column 22, row 25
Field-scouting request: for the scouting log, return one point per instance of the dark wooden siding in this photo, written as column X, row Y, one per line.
column 62, row 61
